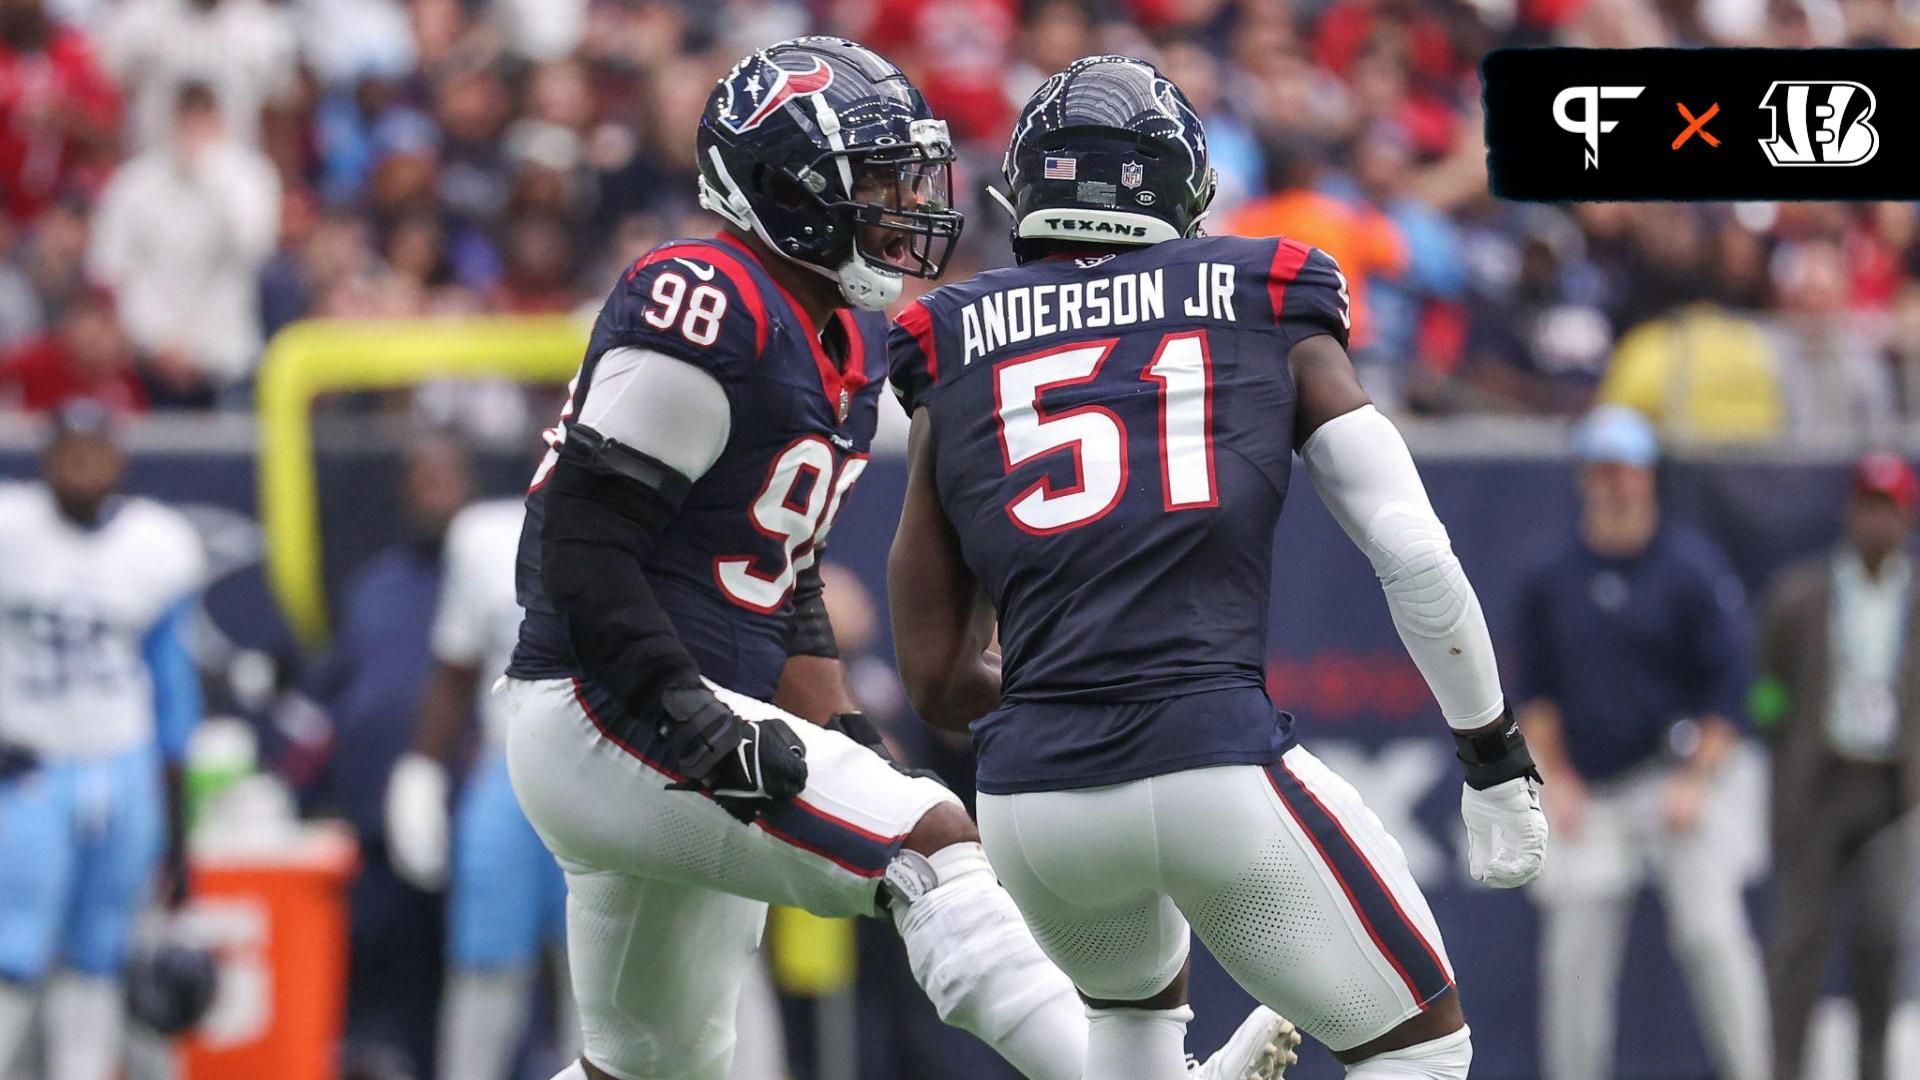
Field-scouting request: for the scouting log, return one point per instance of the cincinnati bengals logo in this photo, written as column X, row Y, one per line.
column 1820, row 123
column 748, row 89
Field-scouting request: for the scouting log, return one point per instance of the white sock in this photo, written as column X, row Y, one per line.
column 481, row 1022
column 1444, row 1058
column 571, row 1072
column 16, row 1012
column 1137, row 1044
column 972, row 953
column 86, row 1027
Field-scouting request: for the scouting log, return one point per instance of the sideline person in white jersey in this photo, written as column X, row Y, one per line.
column 98, row 694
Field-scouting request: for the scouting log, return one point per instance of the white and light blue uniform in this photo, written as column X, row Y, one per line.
column 509, row 898
column 97, row 683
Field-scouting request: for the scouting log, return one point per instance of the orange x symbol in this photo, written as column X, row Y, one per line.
column 1697, row 125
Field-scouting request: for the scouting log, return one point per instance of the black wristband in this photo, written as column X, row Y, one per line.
column 1495, row 754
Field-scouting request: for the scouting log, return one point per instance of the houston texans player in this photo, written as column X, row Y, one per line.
column 668, row 571
column 1099, row 451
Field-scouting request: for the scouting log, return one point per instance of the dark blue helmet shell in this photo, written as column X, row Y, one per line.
column 814, row 141
column 1108, row 151
column 171, row 987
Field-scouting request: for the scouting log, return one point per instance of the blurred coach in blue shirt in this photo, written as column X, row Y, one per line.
column 1631, row 676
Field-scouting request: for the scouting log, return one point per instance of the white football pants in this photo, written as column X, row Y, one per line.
column 1292, row 883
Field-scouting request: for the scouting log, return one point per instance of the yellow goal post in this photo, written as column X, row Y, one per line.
column 308, row 359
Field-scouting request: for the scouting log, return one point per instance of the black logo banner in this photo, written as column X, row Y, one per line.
column 1584, row 125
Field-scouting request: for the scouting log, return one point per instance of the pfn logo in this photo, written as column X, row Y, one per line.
column 1589, row 125
column 1825, row 123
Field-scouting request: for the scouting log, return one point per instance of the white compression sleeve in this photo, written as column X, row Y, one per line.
column 662, row 406
column 1364, row 473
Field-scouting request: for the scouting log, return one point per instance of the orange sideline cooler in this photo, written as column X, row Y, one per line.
column 277, row 920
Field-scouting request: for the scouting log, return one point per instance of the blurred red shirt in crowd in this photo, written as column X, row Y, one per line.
column 1350, row 27
column 957, row 51
column 86, row 356
column 59, row 112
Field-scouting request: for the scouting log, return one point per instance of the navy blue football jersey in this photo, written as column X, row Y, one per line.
column 801, row 429
column 1112, row 439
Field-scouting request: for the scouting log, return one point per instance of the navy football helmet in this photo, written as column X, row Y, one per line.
column 825, row 151
column 1108, row 151
column 170, row 987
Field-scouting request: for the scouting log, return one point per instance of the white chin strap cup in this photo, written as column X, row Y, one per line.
column 865, row 286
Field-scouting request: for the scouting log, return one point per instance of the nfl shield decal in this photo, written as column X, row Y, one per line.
column 1132, row 174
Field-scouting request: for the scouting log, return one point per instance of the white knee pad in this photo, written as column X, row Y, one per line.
column 1445, row 1058
column 960, row 932
column 978, row 963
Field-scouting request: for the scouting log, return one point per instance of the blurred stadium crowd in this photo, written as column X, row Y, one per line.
column 179, row 179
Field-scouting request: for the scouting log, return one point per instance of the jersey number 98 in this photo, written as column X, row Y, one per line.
column 704, row 308
column 795, row 507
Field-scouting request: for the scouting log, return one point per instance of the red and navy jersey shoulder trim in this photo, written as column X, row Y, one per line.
column 1308, row 292
column 667, row 311
column 914, row 356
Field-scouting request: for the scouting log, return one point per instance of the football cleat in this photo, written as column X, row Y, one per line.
column 1261, row 1049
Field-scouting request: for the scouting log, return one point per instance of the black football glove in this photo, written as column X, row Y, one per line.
column 748, row 766
column 856, row 726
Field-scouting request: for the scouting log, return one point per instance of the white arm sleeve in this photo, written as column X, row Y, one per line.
column 660, row 405
column 1361, row 467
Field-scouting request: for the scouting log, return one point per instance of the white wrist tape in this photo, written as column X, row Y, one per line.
column 1361, row 467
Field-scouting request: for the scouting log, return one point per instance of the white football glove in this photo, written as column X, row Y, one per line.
column 417, row 821
column 1506, row 833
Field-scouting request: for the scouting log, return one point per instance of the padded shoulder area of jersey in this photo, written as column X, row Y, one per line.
column 1308, row 292
column 912, row 355
column 699, row 300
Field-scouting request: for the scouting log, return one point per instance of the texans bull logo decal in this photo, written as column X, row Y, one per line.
column 786, row 86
